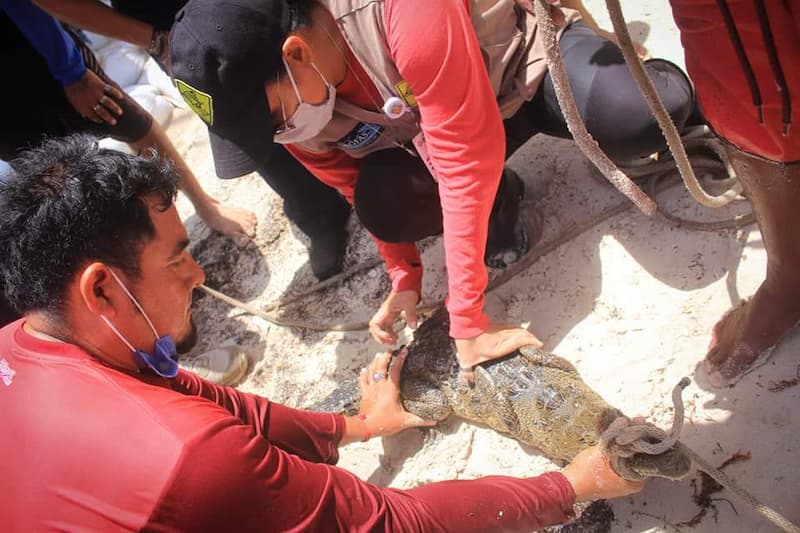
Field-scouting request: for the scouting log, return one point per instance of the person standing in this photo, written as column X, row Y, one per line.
column 743, row 58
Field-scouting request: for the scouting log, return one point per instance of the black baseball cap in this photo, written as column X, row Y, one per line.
column 221, row 53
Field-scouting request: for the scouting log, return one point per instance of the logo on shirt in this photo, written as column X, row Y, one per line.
column 361, row 136
column 6, row 372
column 405, row 93
column 199, row 102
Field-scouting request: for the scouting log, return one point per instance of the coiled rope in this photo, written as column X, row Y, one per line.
column 623, row 440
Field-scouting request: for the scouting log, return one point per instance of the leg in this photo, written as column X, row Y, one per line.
column 397, row 200
column 317, row 209
column 747, row 332
column 608, row 99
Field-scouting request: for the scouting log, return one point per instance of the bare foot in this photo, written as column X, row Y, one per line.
column 744, row 337
column 233, row 222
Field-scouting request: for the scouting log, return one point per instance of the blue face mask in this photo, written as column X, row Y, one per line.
column 164, row 361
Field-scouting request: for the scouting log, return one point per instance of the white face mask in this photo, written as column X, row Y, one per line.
column 308, row 120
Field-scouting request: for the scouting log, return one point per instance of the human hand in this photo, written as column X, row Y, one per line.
column 592, row 477
column 94, row 99
column 233, row 222
column 498, row 340
column 381, row 409
column 382, row 324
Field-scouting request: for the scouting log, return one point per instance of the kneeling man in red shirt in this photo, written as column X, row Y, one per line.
column 101, row 429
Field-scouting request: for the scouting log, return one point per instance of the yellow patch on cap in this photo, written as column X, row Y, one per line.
column 199, row 102
column 405, row 93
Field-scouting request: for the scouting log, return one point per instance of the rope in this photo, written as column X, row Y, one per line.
column 657, row 185
column 720, row 477
column 575, row 123
column 662, row 116
column 622, row 440
column 280, row 321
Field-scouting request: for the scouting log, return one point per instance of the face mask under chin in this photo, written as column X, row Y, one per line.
column 164, row 360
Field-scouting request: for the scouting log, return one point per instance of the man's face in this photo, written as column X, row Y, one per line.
column 168, row 276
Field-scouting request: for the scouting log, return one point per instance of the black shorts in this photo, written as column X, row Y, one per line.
column 36, row 107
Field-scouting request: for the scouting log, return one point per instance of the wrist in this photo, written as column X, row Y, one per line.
column 357, row 429
column 574, row 481
column 367, row 433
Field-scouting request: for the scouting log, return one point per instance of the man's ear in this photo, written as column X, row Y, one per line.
column 296, row 50
column 98, row 290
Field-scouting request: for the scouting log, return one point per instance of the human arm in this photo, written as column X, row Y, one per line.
column 96, row 17
column 234, row 475
column 465, row 139
column 403, row 262
column 229, row 478
column 316, row 436
column 47, row 36
column 86, row 92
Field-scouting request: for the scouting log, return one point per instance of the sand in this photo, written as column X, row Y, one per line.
column 630, row 302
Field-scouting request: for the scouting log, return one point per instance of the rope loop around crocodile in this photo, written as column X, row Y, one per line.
column 623, row 439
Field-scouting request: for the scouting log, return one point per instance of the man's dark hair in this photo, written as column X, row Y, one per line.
column 300, row 13
column 70, row 202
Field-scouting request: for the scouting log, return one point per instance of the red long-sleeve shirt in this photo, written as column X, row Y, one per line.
column 436, row 51
column 88, row 447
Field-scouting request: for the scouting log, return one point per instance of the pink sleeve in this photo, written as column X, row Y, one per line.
column 463, row 129
column 340, row 171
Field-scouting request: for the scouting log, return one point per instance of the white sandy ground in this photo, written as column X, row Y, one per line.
column 631, row 303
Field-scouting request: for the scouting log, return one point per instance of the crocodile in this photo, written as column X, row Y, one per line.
column 531, row 395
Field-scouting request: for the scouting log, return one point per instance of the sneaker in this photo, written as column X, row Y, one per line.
column 223, row 366
column 512, row 230
column 326, row 253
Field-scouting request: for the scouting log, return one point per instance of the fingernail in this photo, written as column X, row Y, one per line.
column 403, row 352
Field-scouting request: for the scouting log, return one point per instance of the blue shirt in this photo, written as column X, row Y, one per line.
column 48, row 38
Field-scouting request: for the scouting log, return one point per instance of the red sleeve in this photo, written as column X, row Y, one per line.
column 437, row 53
column 312, row 436
column 231, row 479
column 340, row 171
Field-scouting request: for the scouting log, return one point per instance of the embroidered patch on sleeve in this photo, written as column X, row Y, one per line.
column 200, row 102
column 405, row 93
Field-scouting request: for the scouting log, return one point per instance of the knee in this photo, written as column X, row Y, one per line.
column 621, row 120
column 674, row 88
column 396, row 198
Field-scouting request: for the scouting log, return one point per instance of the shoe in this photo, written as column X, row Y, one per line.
column 326, row 253
column 512, row 230
column 223, row 366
